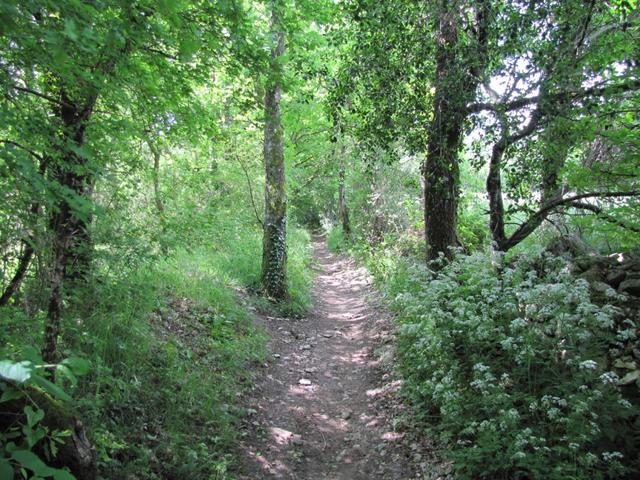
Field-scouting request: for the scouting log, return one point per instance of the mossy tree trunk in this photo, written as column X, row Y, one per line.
column 274, row 243
column 343, row 211
column 68, row 226
column 456, row 79
column 441, row 170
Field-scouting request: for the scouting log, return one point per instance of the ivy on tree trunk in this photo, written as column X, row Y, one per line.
column 274, row 243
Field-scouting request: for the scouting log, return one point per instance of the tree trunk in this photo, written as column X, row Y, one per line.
column 494, row 191
column 157, row 197
column 441, row 170
column 274, row 243
column 455, row 83
column 343, row 211
column 29, row 250
column 23, row 266
column 71, row 240
column 558, row 140
column 157, row 194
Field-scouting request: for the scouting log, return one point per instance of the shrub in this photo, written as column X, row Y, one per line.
column 336, row 240
column 512, row 369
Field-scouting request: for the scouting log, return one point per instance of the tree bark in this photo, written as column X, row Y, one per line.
column 18, row 277
column 455, row 83
column 157, row 197
column 343, row 211
column 71, row 240
column 29, row 250
column 274, row 243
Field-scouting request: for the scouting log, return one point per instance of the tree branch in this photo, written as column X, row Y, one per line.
column 53, row 100
column 478, row 107
column 605, row 216
column 36, row 155
column 538, row 217
column 246, row 174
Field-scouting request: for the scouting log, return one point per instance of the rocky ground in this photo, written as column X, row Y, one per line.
column 325, row 406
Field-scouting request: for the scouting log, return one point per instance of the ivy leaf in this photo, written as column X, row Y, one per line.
column 33, row 416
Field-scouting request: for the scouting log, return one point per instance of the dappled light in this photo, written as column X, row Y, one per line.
column 319, row 239
column 319, row 410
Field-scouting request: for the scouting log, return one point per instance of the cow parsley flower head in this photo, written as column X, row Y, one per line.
column 588, row 365
column 610, row 378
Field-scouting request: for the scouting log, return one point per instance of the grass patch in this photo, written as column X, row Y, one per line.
column 172, row 346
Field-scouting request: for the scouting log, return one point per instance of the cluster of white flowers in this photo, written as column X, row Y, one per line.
column 624, row 403
column 543, row 326
column 588, row 365
column 610, row 378
column 518, row 323
column 612, row 456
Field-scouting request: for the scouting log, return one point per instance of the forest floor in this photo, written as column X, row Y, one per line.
column 325, row 405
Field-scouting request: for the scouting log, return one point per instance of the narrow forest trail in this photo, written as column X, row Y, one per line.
column 324, row 407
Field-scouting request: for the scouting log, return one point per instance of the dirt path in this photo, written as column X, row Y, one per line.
column 324, row 407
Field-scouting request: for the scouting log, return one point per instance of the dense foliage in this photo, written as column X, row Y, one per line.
column 161, row 163
column 518, row 366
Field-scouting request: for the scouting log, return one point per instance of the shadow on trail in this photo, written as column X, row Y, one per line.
column 322, row 409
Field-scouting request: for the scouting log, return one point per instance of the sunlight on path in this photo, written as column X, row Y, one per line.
column 323, row 408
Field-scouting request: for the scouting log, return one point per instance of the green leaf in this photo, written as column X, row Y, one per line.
column 630, row 377
column 78, row 366
column 51, row 388
column 33, row 436
column 30, row 460
column 17, row 372
column 63, row 369
column 10, row 394
column 62, row 475
column 70, row 29
column 6, row 470
column 189, row 45
column 625, row 363
column 32, row 354
column 33, row 416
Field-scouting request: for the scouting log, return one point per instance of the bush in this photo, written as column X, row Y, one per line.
column 336, row 240
column 512, row 369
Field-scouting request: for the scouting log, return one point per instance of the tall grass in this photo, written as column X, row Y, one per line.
column 172, row 345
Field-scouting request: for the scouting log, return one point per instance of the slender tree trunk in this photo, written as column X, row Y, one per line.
column 18, row 277
column 274, row 243
column 343, row 211
column 27, row 253
column 494, row 191
column 157, row 196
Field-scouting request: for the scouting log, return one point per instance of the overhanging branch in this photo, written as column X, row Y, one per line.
column 538, row 217
column 478, row 107
column 605, row 216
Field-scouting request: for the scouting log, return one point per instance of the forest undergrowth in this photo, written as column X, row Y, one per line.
column 512, row 358
column 171, row 345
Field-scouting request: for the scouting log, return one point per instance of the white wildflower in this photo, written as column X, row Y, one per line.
column 588, row 365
